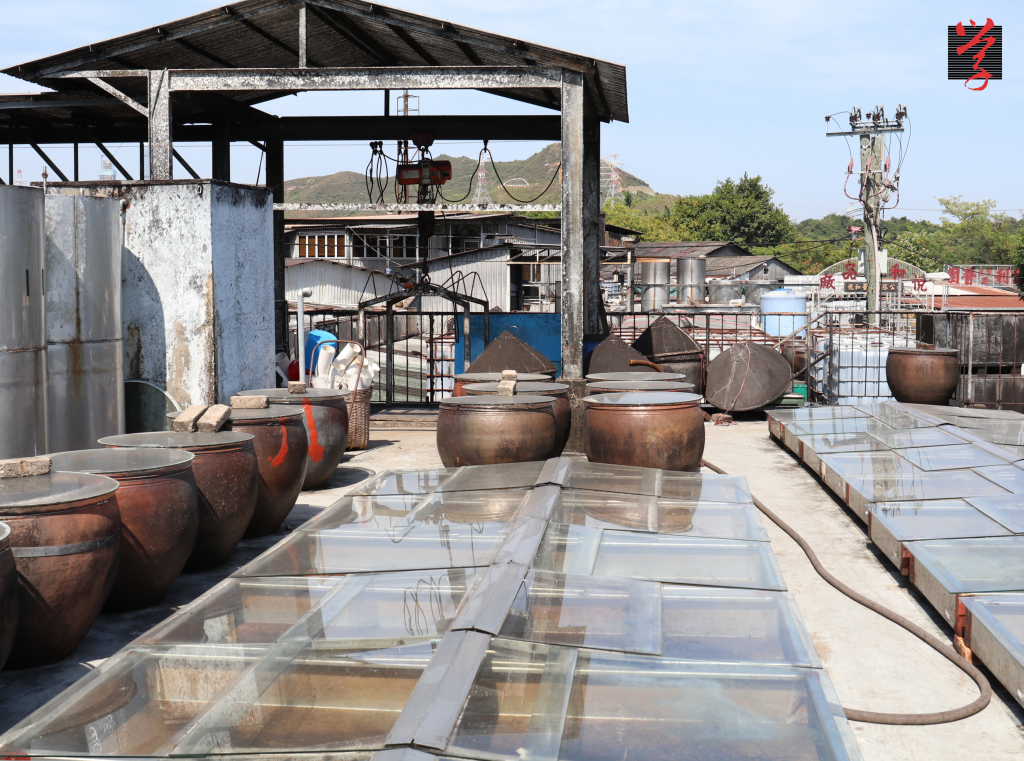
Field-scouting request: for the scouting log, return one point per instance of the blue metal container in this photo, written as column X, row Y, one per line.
column 777, row 308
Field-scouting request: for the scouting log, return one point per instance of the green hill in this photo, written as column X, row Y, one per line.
column 539, row 172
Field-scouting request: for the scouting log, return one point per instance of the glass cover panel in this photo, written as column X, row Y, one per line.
column 310, row 696
column 949, row 458
column 818, row 427
column 606, row 510
column 621, row 479
column 398, row 607
column 608, row 614
column 1003, row 615
column 841, row 442
column 817, row 413
column 1007, row 510
column 885, row 477
column 243, row 611
column 737, row 625
column 934, row 519
column 392, row 511
column 1010, row 477
column 517, row 704
column 893, row 417
column 712, row 487
column 919, row 437
column 652, row 709
column 717, row 520
column 406, row 481
column 974, row 565
column 515, row 475
column 135, row 703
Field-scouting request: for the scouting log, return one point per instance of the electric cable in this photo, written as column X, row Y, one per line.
column 501, row 182
column 873, row 717
column 479, row 161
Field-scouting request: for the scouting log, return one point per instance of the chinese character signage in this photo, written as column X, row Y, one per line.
column 886, row 286
column 981, row 274
column 975, row 53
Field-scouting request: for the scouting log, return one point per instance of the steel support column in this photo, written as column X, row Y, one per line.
column 221, row 149
column 572, row 224
column 591, row 219
column 161, row 149
column 275, row 184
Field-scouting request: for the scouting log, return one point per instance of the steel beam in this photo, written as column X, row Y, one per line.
column 392, row 78
column 410, row 207
column 113, row 161
column 22, row 104
column 302, row 35
column 592, row 218
column 111, row 90
column 572, row 225
column 189, row 169
column 221, row 150
column 274, row 152
column 161, row 149
column 49, row 162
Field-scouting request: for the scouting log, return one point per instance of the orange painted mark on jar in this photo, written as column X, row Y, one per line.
column 278, row 459
column 316, row 452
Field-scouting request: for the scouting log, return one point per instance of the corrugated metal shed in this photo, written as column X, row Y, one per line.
column 677, row 249
column 749, row 268
column 334, row 282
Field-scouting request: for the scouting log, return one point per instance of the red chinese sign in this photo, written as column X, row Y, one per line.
column 919, row 284
column 896, row 272
column 828, row 281
column 850, row 273
column 980, row 55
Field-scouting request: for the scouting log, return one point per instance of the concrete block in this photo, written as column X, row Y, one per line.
column 214, row 418
column 187, row 419
column 507, row 388
column 24, row 466
column 509, row 375
column 296, row 387
column 250, row 402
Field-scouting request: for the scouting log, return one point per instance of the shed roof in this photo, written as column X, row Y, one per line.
column 263, row 34
column 724, row 266
column 679, row 249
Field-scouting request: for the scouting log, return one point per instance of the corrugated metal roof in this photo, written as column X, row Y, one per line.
column 264, row 34
column 679, row 249
column 726, row 266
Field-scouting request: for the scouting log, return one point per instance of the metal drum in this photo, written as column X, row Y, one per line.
column 649, row 429
column 8, row 595
column 227, row 479
column 617, row 387
column 159, row 509
column 486, row 430
column 22, row 323
column 922, row 376
column 463, row 378
column 325, row 415
column 65, row 537
column 654, row 276
column 691, row 276
column 85, row 374
column 638, row 376
column 560, row 391
column 723, row 291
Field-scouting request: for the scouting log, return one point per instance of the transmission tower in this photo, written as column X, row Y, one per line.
column 481, row 195
column 612, row 188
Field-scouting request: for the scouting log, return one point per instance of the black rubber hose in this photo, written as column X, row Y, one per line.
column 943, row 648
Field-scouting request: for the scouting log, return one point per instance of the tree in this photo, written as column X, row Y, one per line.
column 1017, row 260
column 740, row 211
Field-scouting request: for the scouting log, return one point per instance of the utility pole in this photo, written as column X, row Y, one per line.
column 875, row 185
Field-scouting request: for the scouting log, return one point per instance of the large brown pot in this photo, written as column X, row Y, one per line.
column 159, row 508
column 282, row 449
column 463, row 379
column 227, row 479
column 560, row 392
column 922, row 376
column 654, row 429
column 8, row 595
column 617, row 387
column 65, row 538
column 325, row 416
column 486, row 430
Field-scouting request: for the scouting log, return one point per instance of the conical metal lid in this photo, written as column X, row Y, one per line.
column 663, row 337
column 509, row 352
column 747, row 376
column 612, row 355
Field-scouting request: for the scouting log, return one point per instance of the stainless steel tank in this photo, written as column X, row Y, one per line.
column 724, row 291
column 654, row 277
column 83, row 321
column 691, row 274
column 22, row 323
column 754, row 289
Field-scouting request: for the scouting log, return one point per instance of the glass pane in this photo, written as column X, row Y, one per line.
column 737, row 625
column 688, row 560
column 711, row 487
column 243, row 611
column 974, row 565
column 702, row 712
column 392, row 606
column 892, row 416
column 920, row 437
column 135, row 703
column 1003, row 615
column 817, row 413
column 949, row 458
column 406, row 481
column 517, row 704
column 841, row 442
column 717, row 520
column 622, row 479
column 885, row 477
column 609, row 614
column 1010, row 477
column 508, row 476
column 836, row 425
column 311, row 696
column 606, row 510
column 935, row 519
column 1007, row 510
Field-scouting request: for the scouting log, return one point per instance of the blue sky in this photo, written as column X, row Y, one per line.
column 716, row 89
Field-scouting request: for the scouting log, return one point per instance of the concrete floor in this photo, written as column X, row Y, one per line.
column 873, row 664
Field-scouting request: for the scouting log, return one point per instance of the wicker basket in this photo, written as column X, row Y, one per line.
column 359, row 418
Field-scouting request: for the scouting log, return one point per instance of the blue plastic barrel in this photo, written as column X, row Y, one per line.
column 314, row 337
column 776, row 312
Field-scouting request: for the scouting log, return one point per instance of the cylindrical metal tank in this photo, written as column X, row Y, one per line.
column 724, row 291
column 22, row 323
column 85, row 376
column 654, row 277
column 783, row 312
column 691, row 276
column 753, row 290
